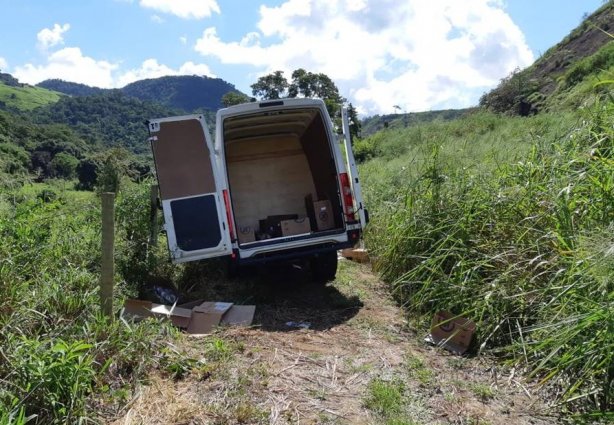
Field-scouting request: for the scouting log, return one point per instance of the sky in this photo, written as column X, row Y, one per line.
column 415, row 54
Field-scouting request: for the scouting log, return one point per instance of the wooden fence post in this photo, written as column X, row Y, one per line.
column 108, row 263
column 153, row 216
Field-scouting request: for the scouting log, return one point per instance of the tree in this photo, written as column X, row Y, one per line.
column 271, row 86
column 304, row 84
column 308, row 84
column 87, row 172
column 113, row 167
column 64, row 165
column 354, row 122
column 104, row 171
column 234, row 98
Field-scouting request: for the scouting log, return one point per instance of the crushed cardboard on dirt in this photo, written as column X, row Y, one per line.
column 196, row 317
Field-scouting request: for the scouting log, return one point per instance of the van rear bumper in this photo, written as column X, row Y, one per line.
column 271, row 251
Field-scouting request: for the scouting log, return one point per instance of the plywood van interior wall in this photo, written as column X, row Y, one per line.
column 274, row 161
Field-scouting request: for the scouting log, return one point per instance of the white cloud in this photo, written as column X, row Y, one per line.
column 52, row 37
column 156, row 19
column 186, row 9
column 152, row 69
column 71, row 65
column 184, row 40
column 418, row 54
column 3, row 64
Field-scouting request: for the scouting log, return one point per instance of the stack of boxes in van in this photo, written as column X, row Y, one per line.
column 319, row 217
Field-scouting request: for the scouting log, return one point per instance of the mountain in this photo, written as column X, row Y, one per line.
column 187, row 93
column 69, row 88
column 110, row 119
column 183, row 92
column 563, row 77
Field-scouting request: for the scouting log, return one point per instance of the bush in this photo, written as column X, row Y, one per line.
column 591, row 65
column 53, row 376
column 64, row 165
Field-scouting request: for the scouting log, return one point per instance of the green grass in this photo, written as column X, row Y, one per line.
column 507, row 221
column 390, row 402
column 59, row 359
column 385, row 398
column 482, row 391
column 418, row 370
column 27, row 97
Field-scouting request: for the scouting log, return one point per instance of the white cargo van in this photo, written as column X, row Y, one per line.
column 274, row 185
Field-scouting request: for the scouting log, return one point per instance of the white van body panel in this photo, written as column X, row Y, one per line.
column 219, row 197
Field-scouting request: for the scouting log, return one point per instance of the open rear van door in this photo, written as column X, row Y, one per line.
column 352, row 169
column 190, row 188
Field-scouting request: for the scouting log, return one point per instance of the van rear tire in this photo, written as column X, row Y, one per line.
column 324, row 267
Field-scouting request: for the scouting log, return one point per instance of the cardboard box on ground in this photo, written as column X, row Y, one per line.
column 452, row 332
column 196, row 317
column 360, row 255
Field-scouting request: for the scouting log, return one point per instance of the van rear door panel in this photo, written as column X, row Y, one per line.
column 352, row 169
column 190, row 188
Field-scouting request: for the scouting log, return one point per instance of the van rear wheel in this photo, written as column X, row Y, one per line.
column 324, row 267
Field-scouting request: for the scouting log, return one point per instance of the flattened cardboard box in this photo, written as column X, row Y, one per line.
column 180, row 317
column 452, row 332
column 197, row 317
column 239, row 315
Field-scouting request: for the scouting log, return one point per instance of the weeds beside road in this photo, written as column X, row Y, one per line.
column 508, row 221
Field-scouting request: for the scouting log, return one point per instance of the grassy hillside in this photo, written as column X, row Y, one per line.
column 548, row 84
column 507, row 221
column 188, row 93
column 25, row 97
column 375, row 123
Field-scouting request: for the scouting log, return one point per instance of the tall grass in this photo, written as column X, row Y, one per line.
column 509, row 222
column 59, row 359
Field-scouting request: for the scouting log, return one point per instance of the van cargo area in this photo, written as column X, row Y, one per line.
column 272, row 186
column 282, row 175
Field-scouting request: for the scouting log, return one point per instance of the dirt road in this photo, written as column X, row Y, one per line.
column 358, row 362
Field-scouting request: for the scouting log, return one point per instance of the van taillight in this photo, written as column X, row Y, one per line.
column 228, row 216
column 348, row 199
